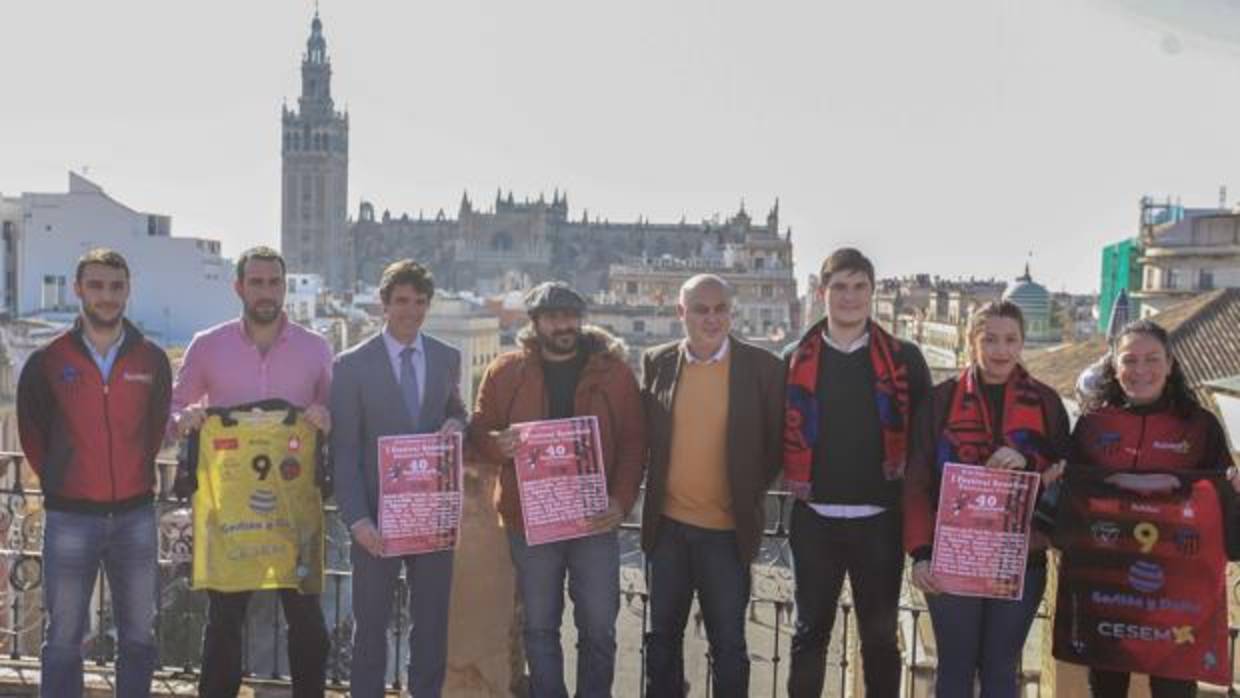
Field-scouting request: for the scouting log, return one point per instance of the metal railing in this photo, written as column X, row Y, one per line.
column 182, row 611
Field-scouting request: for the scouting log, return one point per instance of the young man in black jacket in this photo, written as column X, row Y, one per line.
column 851, row 391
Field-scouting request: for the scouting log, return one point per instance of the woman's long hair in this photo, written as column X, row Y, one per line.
column 1179, row 399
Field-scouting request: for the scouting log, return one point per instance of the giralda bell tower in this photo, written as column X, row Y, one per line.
column 315, row 177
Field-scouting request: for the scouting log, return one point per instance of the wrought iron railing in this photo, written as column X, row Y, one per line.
column 182, row 612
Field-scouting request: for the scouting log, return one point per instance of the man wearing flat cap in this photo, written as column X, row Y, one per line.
column 562, row 370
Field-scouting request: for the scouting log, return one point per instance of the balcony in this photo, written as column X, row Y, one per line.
column 182, row 614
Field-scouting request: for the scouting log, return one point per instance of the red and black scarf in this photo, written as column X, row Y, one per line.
column 968, row 437
column 803, row 407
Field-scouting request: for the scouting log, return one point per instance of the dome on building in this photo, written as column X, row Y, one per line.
column 1035, row 302
column 1030, row 295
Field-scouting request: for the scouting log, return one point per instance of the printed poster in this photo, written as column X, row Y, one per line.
column 981, row 534
column 420, row 493
column 559, row 464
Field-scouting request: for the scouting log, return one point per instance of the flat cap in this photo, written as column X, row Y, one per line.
column 553, row 295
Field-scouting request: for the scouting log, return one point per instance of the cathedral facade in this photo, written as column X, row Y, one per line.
column 509, row 244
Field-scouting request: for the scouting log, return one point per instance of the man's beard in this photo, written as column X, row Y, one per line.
column 552, row 345
column 262, row 315
column 101, row 323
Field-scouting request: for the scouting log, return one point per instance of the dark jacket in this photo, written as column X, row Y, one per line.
column 921, row 480
column 755, row 435
column 93, row 443
column 513, row 391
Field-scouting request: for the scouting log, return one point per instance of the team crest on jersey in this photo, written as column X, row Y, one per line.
column 1108, row 441
column 290, row 468
column 294, row 444
column 70, row 374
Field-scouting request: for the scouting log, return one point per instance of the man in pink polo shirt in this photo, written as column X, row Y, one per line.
column 261, row 355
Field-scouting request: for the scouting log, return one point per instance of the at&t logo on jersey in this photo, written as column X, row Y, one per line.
column 263, row 502
column 1146, row 577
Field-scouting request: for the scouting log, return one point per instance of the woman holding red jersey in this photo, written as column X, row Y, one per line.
column 1141, row 408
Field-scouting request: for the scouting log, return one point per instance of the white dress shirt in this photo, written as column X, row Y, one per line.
column 713, row 359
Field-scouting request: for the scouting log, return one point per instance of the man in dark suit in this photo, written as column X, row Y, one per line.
column 714, row 412
column 402, row 381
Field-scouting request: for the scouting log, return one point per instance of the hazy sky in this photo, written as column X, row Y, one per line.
column 946, row 137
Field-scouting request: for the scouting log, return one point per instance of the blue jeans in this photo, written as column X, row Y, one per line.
column 592, row 565
column 983, row 638
column 74, row 545
column 687, row 559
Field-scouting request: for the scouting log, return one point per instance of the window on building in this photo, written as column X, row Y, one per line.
column 639, row 326
column 768, row 291
column 1205, row 282
column 1172, row 279
column 52, row 296
column 759, row 263
column 630, row 287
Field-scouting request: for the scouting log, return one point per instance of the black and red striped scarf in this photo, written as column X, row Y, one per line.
column 802, row 407
column 968, row 437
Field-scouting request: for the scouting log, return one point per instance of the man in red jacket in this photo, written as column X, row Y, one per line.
column 92, row 405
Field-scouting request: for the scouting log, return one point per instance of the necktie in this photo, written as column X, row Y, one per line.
column 409, row 384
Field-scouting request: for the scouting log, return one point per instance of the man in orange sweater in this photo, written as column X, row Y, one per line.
column 714, row 414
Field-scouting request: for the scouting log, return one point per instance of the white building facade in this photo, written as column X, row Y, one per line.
column 178, row 285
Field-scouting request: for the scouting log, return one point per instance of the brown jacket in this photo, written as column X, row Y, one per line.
column 512, row 391
column 755, row 435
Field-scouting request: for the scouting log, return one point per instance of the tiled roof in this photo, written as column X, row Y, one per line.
column 1205, row 337
column 1059, row 367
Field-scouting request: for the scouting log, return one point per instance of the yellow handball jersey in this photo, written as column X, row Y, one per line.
column 258, row 510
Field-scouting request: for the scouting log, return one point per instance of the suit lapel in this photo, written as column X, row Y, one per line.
column 672, row 363
column 735, row 375
column 430, row 387
column 386, row 383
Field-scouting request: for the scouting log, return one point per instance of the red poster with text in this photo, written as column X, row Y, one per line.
column 981, row 535
column 420, row 485
column 559, row 464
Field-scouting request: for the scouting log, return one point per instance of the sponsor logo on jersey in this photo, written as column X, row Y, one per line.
column 263, row 502
column 1146, row 577
column 1105, row 532
column 1179, row 635
column 1180, row 447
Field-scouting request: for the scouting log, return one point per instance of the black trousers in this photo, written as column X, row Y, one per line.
column 1114, row 684
column 869, row 551
column 308, row 643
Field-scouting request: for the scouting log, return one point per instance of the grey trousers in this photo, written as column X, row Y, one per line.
column 429, row 578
